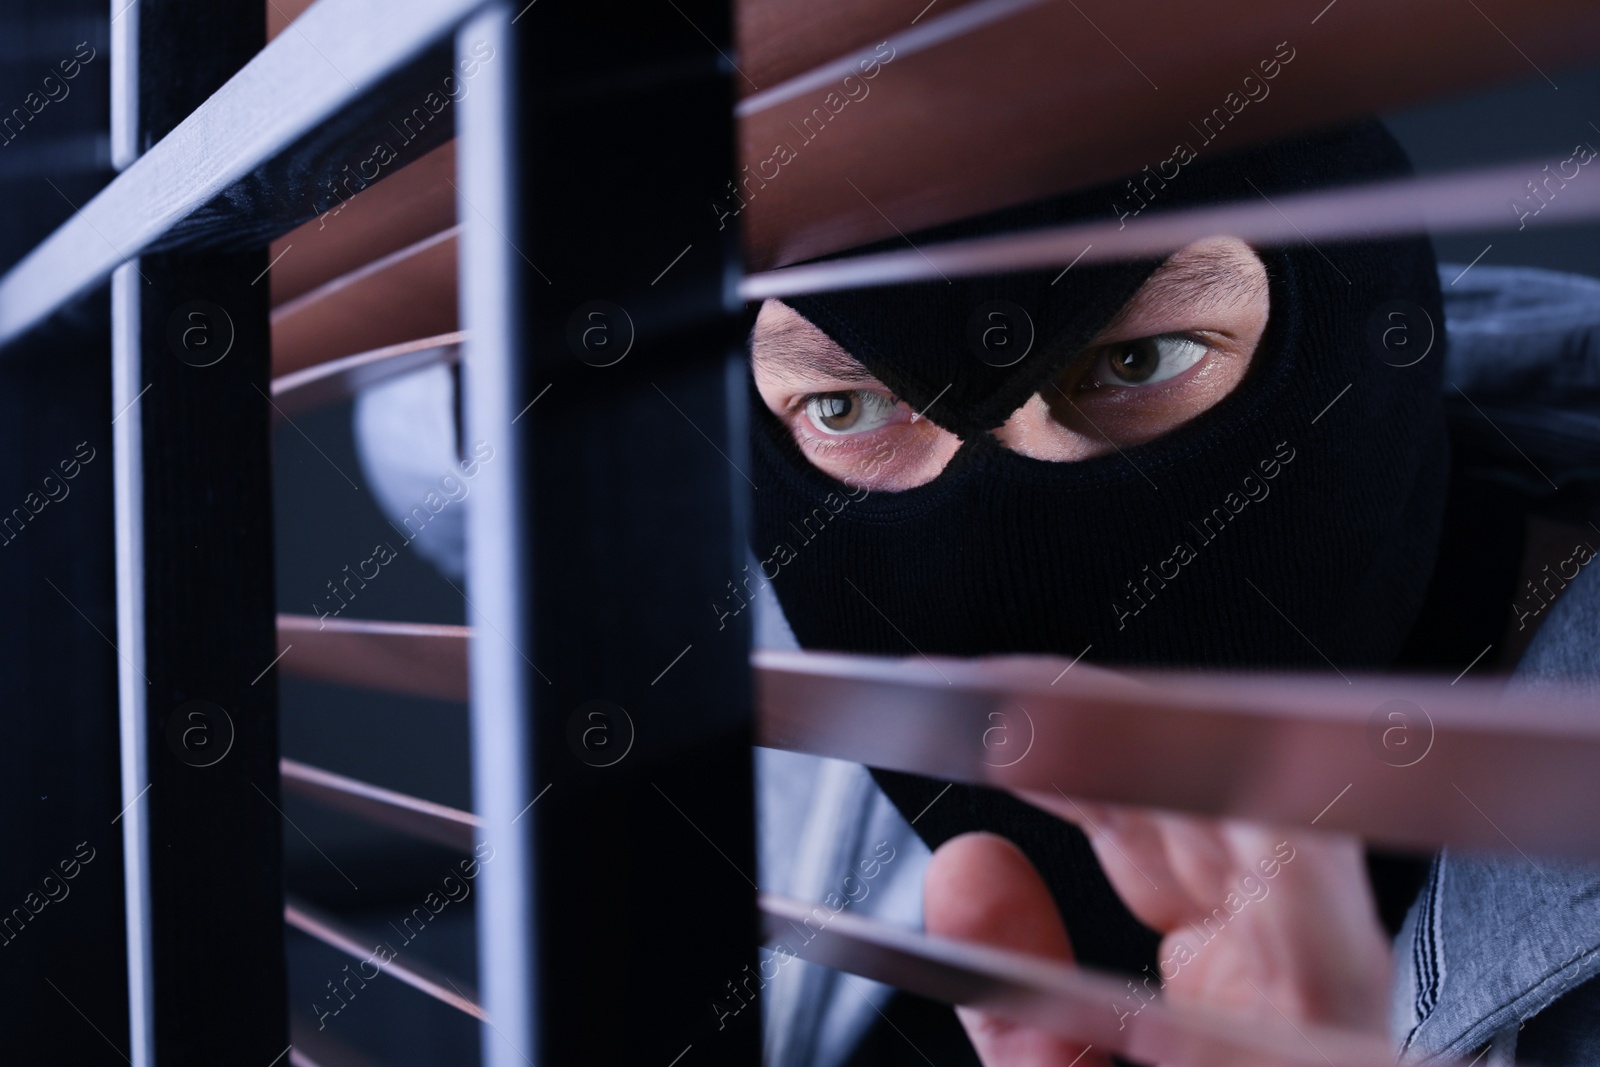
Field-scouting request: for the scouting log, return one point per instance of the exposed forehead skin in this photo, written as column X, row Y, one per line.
column 1215, row 272
column 785, row 346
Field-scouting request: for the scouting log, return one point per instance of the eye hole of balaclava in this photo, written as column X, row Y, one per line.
column 1147, row 550
column 1180, row 344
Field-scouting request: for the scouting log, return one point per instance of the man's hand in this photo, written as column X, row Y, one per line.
column 1254, row 920
column 980, row 887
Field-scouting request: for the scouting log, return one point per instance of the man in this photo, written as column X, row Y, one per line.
column 1196, row 462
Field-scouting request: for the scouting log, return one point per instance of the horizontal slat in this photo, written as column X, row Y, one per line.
column 314, row 1049
column 1055, row 96
column 438, row 823
column 417, row 975
column 421, row 281
column 1070, row 1001
column 280, row 13
column 341, row 379
column 1400, row 760
column 780, row 40
column 1509, row 773
column 299, row 88
column 896, row 31
column 406, row 207
column 1473, row 200
column 1063, row 94
column 417, row 659
column 408, row 294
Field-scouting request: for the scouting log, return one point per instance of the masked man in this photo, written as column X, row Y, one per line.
column 1201, row 461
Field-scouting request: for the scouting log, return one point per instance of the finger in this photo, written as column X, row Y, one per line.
column 1322, row 908
column 980, row 887
column 1132, row 849
column 1206, row 854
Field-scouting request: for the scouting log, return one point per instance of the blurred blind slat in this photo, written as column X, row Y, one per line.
column 404, row 296
column 337, row 935
column 1067, row 93
column 1411, row 762
column 1063, row 999
column 342, row 379
column 406, row 206
column 420, row 659
column 421, row 818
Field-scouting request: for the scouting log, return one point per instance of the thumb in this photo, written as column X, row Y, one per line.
column 980, row 887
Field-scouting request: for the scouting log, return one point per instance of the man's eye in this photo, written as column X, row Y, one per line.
column 1146, row 360
column 856, row 411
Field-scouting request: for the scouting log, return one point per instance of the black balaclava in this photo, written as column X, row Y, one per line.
column 1307, row 502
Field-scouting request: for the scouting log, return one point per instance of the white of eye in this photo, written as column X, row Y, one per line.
column 852, row 412
column 1147, row 360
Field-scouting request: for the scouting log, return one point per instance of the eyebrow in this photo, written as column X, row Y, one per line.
column 796, row 351
column 791, row 351
column 1215, row 272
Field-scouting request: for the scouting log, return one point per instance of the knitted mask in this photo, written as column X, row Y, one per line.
column 1249, row 536
column 1294, row 524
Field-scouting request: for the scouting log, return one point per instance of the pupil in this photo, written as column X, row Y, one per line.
column 1136, row 361
column 836, row 411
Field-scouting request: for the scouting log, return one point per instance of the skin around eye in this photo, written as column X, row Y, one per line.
column 1183, row 342
column 846, row 423
column 869, row 439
